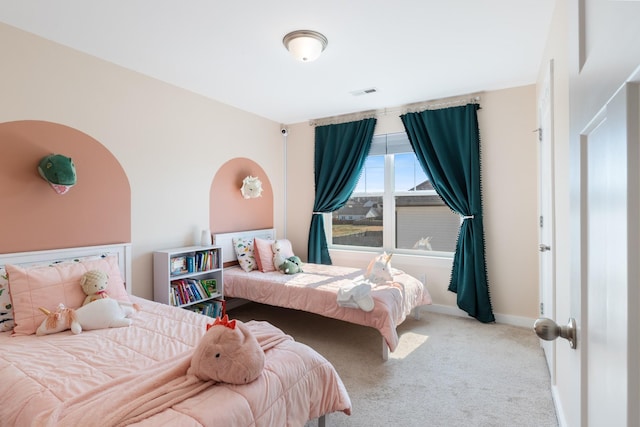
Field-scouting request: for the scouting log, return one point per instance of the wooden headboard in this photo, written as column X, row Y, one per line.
column 225, row 240
column 121, row 250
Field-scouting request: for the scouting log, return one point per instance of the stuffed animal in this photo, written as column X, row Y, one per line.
column 228, row 353
column 100, row 314
column 379, row 269
column 291, row 265
column 278, row 253
column 59, row 171
column 104, row 313
column 57, row 321
column 251, row 187
column 283, row 258
column 94, row 283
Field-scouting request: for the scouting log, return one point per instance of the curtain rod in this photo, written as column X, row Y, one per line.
column 407, row 108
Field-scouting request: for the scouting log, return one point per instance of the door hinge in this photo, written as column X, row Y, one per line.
column 541, row 308
column 539, row 130
column 541, row 221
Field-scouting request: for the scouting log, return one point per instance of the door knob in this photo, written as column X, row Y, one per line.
column 549, row 330
column 544, row 248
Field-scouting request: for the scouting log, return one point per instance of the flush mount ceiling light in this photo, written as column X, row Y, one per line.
column 305, row 45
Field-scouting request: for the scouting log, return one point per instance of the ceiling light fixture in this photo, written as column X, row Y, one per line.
column 305, row 45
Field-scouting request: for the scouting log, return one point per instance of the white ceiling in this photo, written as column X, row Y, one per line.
column 231, row 50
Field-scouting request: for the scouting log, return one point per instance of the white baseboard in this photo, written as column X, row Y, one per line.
column 507, row 319
column 562, row 421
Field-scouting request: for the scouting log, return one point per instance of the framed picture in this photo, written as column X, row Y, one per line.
column 179, row 265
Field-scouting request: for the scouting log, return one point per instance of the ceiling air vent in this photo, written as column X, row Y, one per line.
column 364, row 91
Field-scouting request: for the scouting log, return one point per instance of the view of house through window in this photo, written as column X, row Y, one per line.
column 394, row 204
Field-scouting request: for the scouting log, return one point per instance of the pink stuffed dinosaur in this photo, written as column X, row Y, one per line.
column 228, row 353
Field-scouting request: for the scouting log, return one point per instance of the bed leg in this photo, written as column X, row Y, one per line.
column 321, row 421
column 385, row 350
column 416, row 313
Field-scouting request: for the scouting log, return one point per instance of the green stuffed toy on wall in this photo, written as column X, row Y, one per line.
column 59, row 171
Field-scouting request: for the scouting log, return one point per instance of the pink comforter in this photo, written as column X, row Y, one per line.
column 56, row 375
column 316, row 290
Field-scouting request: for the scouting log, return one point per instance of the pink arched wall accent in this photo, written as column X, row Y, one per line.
column 229, row 211
column 97, row 210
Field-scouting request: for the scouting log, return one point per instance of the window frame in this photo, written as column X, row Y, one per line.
column 389, row 216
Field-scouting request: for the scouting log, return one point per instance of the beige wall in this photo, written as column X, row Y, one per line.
column 171, row 143
column 509, row 167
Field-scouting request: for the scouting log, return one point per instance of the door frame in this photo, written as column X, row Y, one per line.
column 546, row 203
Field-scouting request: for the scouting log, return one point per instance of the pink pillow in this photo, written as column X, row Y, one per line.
column 51, row 285
column 264, row 254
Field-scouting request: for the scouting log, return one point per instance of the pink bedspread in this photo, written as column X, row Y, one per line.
column 42, row 376
column 316, row 291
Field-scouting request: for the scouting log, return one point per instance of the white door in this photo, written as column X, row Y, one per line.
column 546, row 212
column 608, row 253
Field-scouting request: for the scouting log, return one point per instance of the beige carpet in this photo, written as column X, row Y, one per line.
column 447, row 371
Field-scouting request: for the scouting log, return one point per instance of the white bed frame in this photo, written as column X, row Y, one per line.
column 225, row 240
column 121, row 250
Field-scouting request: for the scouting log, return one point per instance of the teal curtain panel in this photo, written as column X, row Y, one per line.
column 447, row 145
column 340, row 153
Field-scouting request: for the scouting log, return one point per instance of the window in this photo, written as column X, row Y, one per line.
column 394, row 205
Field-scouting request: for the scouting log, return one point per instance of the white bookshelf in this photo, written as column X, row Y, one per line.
column 181, row 276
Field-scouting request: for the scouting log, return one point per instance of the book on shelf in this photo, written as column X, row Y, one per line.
column 193, row 284
column 211, row 308
column 178, row 265
column 191, row 263
column 210, row 286
column 187, row 291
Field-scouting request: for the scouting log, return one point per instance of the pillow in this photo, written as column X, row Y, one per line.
column 244, row 252
column 286, row 249
column 6, row 313
column 48, row 286
column 263, row 254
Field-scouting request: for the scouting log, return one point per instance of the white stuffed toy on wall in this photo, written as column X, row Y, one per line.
column 251, row 187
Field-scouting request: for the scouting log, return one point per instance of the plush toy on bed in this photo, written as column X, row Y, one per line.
column 284, row 259
column 229, row 353
column 100, row 314
column 291, row 265
column 379, row 269
column 94, row 284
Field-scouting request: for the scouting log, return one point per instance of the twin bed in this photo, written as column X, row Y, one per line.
column 138, row 375
column 107, row 376
column 316, row 289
